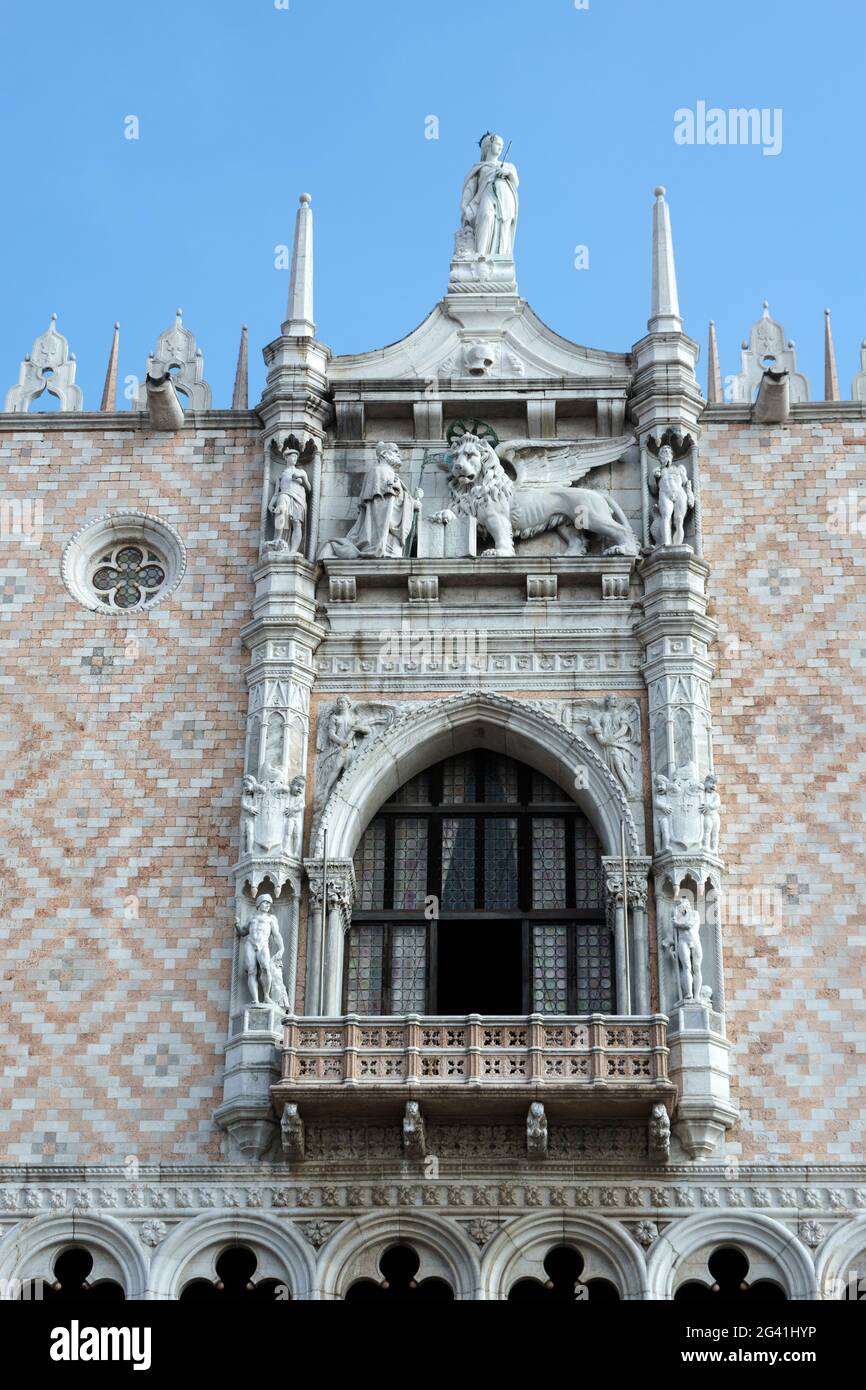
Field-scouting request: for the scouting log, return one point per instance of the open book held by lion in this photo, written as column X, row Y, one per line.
column 510, row 511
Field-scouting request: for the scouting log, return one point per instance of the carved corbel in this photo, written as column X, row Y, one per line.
column 659, row 1134
column 414, row 1133
column 292, row 1134
column 536, row 1131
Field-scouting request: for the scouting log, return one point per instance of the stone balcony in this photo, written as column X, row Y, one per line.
column 579, row 1067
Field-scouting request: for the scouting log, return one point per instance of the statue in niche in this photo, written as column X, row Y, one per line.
column 710, row 809
column 262, row 954
column 672, row 487
column 288, row 506
column 616, row 737
column 339, row 736
column 489, row 203
column 687, row 948
column 386, row 514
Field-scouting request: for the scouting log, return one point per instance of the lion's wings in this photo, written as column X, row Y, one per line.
column 545, row 461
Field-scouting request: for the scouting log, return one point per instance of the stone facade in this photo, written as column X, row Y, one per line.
column 236, row 642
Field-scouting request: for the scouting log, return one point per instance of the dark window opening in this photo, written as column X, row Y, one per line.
column 70, row 1280
column 235, row 1271
column 563, row 1267
column 479, row 891
column 479, row 968
column 728, row 1268
column 399, row 1267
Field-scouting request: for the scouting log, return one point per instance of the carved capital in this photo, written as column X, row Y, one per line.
column 637, row 873
column 341, row 887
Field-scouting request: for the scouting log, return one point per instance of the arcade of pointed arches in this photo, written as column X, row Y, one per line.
column 555, row 1256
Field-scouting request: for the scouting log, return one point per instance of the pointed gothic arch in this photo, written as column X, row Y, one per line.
column 609, row 1252
column 354, row 1252
column 429, row 731
column 191, row 1251
column 787, row 1259
column 29, row 1250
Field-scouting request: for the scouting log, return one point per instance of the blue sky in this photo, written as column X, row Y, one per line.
column 243, row 105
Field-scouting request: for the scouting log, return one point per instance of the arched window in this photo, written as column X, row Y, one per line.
column 398, row 1267
column 70, row 1280
column 563, row 1267
column 728, row 1268
column 479, row 891
column 235, row 1270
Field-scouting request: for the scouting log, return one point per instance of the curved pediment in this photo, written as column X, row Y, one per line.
column 481, row 336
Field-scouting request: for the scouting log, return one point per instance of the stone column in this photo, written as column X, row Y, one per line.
column 282, row 639
column 629, row 947
column 325, row 964
column 676, row 634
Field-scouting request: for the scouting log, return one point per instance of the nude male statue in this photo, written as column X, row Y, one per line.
column 689, row 952
column 262, row 954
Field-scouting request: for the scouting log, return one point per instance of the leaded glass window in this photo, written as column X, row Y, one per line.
column 589, row 892
column 594, row 968
column 370, row 868
column 458, row 863
column 410, row 862
column 500, row 862
column 364, row 970
column 127, row 576
column 479, row 880
column 408, row 969
column 548, row 862
column 550, row 968
column 458, row 780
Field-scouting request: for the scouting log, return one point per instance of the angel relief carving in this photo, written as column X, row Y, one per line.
column 343, row 729
column 614, row 726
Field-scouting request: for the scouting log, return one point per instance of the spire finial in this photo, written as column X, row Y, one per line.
column 714, row 374
column 665, row 307
column 240, row 396
column 109, row 390
column 831, row 376
column 299, row 314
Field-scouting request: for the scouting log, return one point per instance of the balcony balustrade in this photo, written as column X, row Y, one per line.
column 589, row 1066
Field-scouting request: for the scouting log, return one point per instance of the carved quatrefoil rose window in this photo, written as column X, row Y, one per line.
column 123, row 563
column 129, row 575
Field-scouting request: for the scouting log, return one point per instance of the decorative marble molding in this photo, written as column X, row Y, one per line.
column 49, row 366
